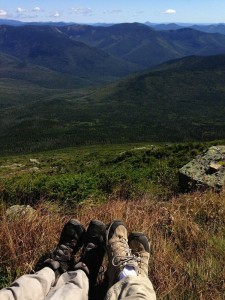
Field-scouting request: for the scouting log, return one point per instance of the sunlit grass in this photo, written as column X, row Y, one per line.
column 187, row 259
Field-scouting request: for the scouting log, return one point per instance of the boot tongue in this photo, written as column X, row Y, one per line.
column 89, row 247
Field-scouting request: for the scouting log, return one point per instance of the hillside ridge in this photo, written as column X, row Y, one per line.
column 174, row 103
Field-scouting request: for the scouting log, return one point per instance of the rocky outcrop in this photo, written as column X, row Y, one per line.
column 206, row 171
column 16, row 211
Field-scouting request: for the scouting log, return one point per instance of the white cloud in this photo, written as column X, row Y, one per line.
column 3, row 13
column 56, row 14
column 21, row 10
column 37, row 8
column 170, row 11
column 85, row 11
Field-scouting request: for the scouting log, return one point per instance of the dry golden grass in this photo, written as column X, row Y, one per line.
column 187, row 237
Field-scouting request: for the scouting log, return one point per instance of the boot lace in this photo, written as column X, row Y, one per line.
column 141, row 263
column 119, row 260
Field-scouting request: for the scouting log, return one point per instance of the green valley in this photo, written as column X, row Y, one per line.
column 179, row 101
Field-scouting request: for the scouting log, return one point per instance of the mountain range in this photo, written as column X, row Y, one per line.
column 75, row 56
column 53, row 92
column 210, row 28
column 141, row 45
column 49, row 48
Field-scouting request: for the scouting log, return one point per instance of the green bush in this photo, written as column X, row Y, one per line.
column 65, row 188
column 74, row 175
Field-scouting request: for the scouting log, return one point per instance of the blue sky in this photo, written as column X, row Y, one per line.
column 116, row 11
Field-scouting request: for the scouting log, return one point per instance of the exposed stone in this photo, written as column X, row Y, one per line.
column 207, row 170
column 34, row 160
column 13, row 166
column 16, row 211
column 34, row 169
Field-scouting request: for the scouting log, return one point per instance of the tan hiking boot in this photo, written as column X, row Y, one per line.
column 119, row 253
column 140, row 247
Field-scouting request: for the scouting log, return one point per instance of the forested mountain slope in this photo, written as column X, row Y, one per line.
column 181, row 102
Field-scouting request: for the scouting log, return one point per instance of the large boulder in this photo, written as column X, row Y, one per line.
column 205, row 171
column 18, row 211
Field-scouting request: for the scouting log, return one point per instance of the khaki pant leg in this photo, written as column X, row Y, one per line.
column 30, row 286
column 70, row 286
column 132, row 288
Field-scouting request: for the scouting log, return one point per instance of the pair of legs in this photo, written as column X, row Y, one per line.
column 62, row 278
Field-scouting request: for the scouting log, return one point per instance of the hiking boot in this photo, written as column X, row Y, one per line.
column 93, row 250
column 71, row 240
column 119, row 253
column 139, row 244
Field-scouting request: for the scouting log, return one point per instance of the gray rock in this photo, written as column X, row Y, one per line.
column 34, row 160
column 16, row 211
column 206, row 171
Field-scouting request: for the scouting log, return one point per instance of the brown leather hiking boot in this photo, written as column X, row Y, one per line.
column 139, row 244
column 93, row 250
column 119, row 253
column 70, row 241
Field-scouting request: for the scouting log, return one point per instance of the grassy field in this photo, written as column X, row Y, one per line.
column 186, row 233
